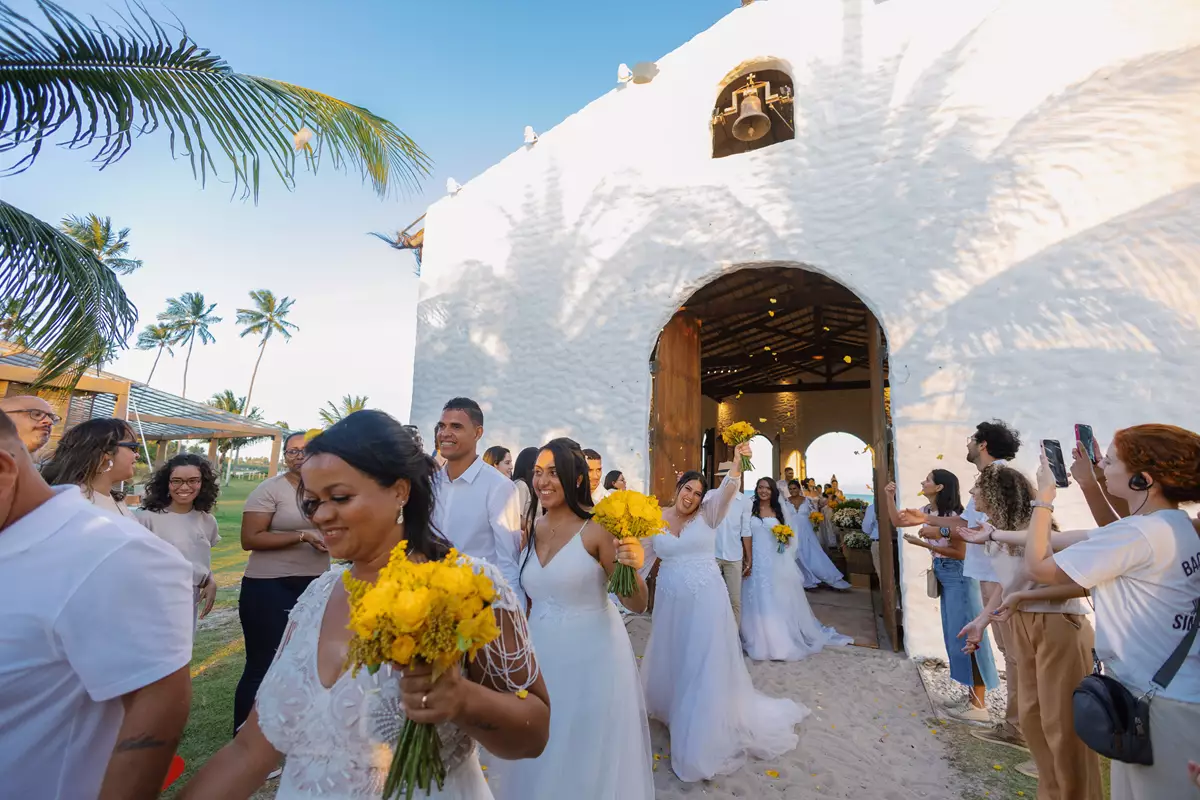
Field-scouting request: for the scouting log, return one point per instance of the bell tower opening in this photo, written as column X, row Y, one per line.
column 753, row 111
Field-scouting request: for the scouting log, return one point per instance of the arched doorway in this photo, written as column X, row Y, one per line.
column 791, row 351
column 764, row 460
column 844, row 457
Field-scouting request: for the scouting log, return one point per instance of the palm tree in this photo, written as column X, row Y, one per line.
column 227, row 401
column 267, row 317
column 11, row 329
column 157, row 337
column 99, row 86
column 332, row 414
column 97, row 236
column 189, row 316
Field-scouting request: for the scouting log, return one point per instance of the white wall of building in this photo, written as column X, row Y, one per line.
column 1012, row 188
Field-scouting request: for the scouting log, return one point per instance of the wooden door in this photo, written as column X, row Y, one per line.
column 881, row 449
column 675, row 405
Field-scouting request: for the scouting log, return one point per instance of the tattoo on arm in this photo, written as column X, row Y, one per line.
column 143, row 742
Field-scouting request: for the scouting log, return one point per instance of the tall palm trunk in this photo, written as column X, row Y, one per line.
column 157, row 356
column 187, row 361
column 262, row 348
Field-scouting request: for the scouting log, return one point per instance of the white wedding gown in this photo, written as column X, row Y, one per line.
column 599, row 746
column 337, row 742
column 777, row 622
column 695, row 679
column 815, row 564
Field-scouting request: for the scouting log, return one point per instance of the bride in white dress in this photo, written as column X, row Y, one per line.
column 695, row 679
column 368, row 486
column 599, row 745
column 777, row 622
column 815, row 565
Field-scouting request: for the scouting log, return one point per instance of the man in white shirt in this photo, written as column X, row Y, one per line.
column 871, row 528
column 733, row 544
column 476, row 507
column 97, row 620
column 595, row 475
column 33, row 417
column 789, row 475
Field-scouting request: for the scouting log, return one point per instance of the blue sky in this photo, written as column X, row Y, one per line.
column 463, row 79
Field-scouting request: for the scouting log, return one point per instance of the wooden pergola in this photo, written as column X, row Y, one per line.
column 156, row 416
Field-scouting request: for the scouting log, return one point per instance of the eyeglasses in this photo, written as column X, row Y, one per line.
column 37, row 415
column 293, row 452
column 193, row 482
column 134, row 446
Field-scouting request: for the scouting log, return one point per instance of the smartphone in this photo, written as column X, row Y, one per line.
column 1087, row 440
column 1054, row 455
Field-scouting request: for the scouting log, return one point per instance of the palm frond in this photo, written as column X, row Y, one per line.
column 98, row 236
column 103, row 85
column 67, row 301
column 154, row 336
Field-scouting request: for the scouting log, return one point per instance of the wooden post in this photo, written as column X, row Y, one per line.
column 212, row 452
column 675, row 405
column 276, row 447
column 879, row 446
column 160, row 453
column 121, row 407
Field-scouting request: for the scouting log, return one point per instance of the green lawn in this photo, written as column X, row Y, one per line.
column 218, row 654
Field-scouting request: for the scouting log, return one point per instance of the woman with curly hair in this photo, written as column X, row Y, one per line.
column 1049, row 640
column 1144, row 573
column 97, row 456
column 177, row 507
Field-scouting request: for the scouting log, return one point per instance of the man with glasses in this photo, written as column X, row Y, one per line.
column 33, row 417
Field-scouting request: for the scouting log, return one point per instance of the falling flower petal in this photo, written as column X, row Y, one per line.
column 770, row 313
column 522, row 693
column 940, row 456
column 772, row 773
column 767, row 348
column 933, row 731
column 762, row 419
column 997, row 767
column 847, row 359
column 773, row 300
column 483, row 767
column 301, row 138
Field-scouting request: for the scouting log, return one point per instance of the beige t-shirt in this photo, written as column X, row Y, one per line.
column 192, row 534
column 1007, row 565
column 277, row 496
column 106, row 501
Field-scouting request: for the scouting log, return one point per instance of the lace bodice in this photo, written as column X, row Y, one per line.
column 338, row 741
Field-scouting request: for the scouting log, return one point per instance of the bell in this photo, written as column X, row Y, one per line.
column 752, row 124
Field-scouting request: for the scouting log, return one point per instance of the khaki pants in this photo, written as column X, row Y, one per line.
column 875, row 559
column 1053, row 653
column 1012, row 672
column 731, row 571
column 1174, row 733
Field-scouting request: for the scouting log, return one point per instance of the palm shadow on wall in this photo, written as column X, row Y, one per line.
column 916, row 189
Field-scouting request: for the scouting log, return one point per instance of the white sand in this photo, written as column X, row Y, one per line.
column 866, row 738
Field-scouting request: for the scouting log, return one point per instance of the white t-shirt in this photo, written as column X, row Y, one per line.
column 733, row 528
column 1144, row 574
column 91, row 608
column 1008, row 564
column 976, row 563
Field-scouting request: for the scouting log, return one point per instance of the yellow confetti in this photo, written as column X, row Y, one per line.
column 847, row 359
column 773, row 301
column 833, row 726
column 1020, row 793
column 483, row 767
column 933, row 731
column 814, row 775
column 767, row 348
column 739, row 394
column 772, row 773
column 824, row 329
column 762, row 419
column 940, row 456
column 997, row 767
column 654, row 768
column 770, row 313
column 657, row 757
column 522, row 693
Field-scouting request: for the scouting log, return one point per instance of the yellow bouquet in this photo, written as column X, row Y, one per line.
column 816, row 518
column 435, row 612
column 783, row 535
column 628, row 515
column 737, row 433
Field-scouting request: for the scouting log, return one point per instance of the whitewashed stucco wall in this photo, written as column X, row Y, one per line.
column 1010, row 186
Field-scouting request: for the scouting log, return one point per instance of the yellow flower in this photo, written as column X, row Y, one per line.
column 522, row 694
column 772, row 773
column 477, row 631
column 402, row 650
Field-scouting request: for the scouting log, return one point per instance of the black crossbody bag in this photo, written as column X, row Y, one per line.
column 1114, row 723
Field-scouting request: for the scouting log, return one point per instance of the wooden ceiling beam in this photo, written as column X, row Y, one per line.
column 793, row 387
column 790, row 298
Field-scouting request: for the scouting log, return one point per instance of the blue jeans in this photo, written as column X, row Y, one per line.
column 961, row 603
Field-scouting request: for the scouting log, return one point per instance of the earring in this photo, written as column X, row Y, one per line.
column 108, row 465
column 400, row 516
